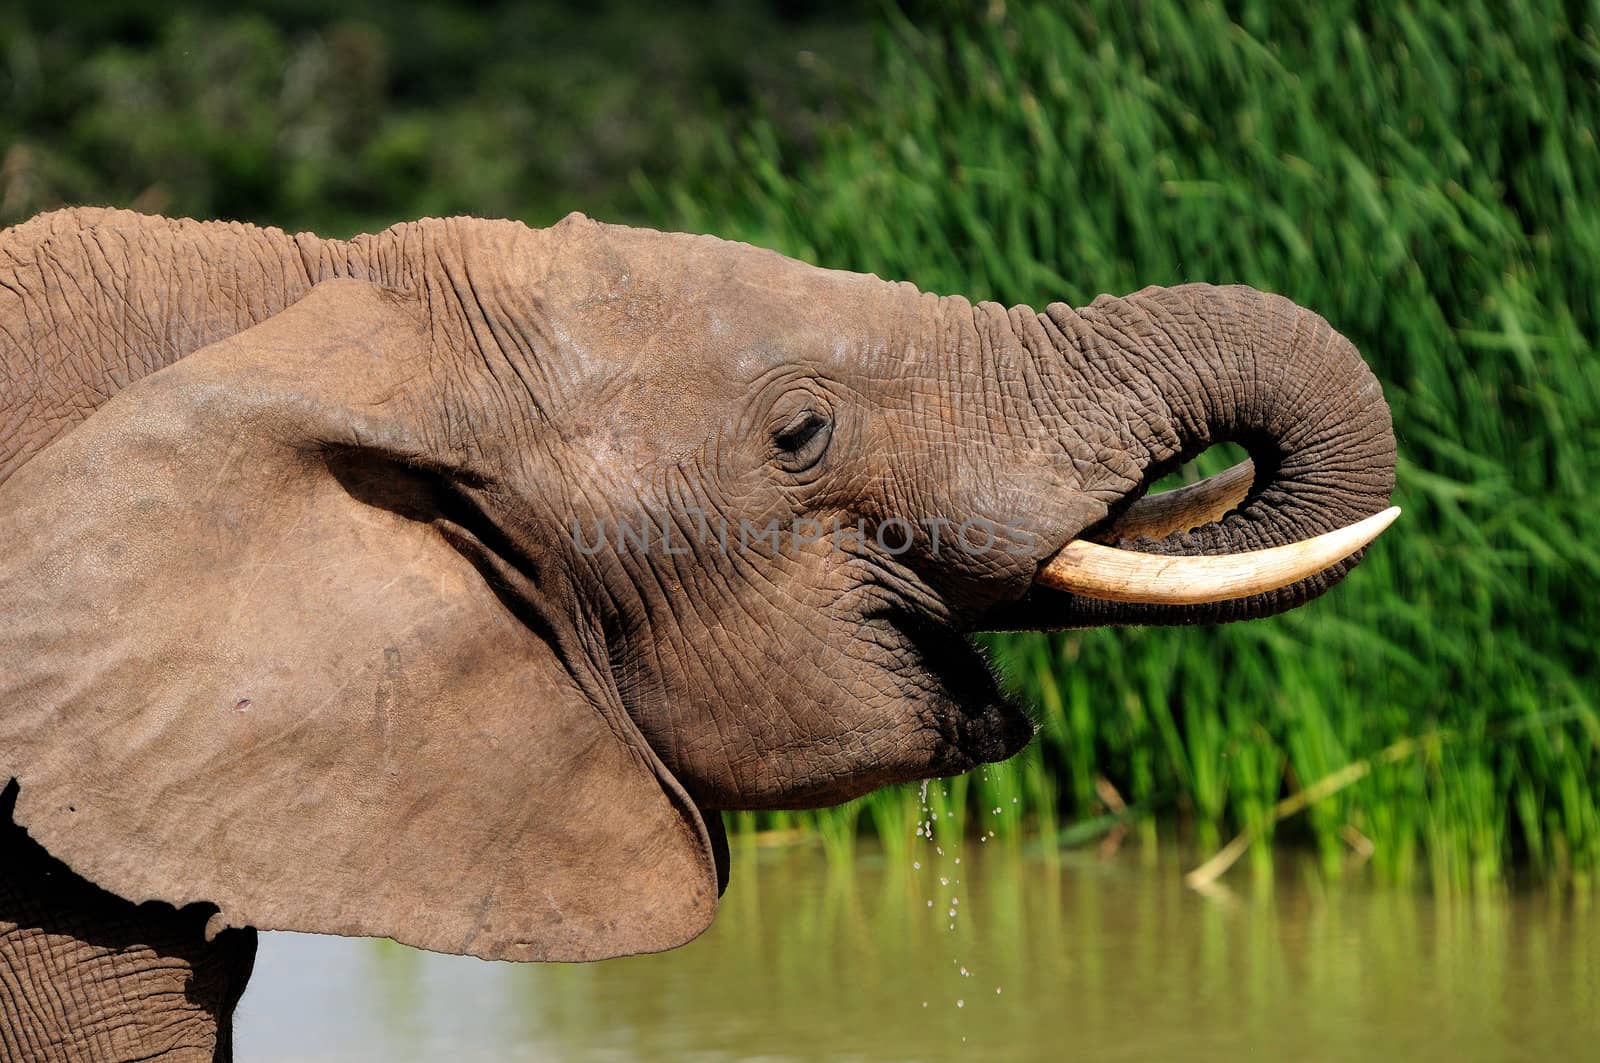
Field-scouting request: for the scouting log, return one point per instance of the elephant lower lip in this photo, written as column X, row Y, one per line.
column 999, row 732
column 979, row 723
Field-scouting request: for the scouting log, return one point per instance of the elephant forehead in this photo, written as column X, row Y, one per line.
column 671, row 294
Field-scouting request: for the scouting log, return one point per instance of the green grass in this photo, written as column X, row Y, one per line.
column 1426, row 176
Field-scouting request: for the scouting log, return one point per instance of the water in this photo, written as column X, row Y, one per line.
column 1103, row 960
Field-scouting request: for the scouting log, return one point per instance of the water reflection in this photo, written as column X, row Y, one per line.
column 1098, row 960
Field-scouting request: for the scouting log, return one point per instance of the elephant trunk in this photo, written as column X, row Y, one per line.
column 1176, row 370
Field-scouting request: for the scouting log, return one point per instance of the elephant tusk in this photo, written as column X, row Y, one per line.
column 1096, row 571
column 1158, row 516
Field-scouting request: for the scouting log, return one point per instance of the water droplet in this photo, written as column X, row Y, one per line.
column 916, row 865
column 996, row 993
column 965, row 973
column 961, row 1004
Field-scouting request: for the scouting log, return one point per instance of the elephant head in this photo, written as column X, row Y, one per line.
column 461, row 573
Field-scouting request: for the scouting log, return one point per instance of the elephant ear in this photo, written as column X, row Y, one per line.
column 249, row 659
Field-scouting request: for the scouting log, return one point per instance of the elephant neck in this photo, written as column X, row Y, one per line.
column 88, row 976
column 93, row 300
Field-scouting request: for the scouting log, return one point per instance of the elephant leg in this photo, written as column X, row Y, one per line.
column 85, row 975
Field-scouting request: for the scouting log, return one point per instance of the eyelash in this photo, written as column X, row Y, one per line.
column 801, row 443
column 800, row 432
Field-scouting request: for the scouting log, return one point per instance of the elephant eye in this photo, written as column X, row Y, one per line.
column 801, row 440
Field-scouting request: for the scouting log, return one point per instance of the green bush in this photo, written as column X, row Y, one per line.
column 349, row 117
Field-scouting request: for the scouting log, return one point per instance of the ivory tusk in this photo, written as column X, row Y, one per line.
column 1158, row 516
column 1096, row 571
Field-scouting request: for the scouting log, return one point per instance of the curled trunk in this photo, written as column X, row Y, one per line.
column 1177, row 370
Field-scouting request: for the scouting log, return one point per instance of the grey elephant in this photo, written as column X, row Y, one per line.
column 444, row 584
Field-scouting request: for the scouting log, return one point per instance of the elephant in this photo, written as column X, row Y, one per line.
column 445, row 584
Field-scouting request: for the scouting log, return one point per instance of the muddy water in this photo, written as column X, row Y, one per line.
column 1074, row 958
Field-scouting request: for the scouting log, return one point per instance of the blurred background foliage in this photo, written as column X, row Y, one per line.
column 1424, row 173
column 349, row 117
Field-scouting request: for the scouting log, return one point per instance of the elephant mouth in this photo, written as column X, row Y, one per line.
column 974, row 720
column 1092, row 568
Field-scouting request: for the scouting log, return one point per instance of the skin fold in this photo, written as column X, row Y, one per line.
column 443, row 584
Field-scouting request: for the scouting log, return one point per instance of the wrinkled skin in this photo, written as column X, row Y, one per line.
column 346, row 501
